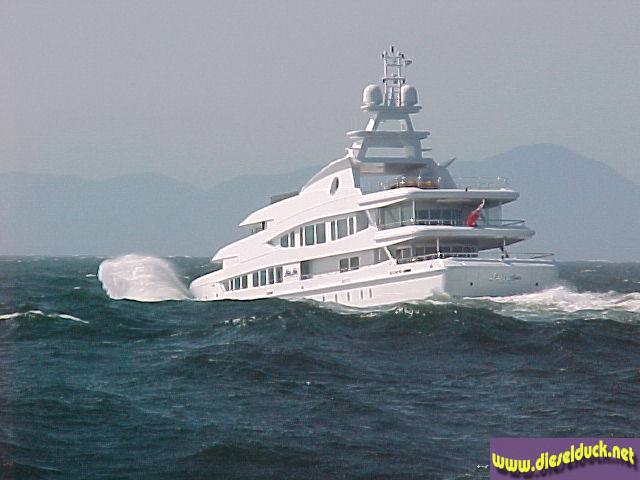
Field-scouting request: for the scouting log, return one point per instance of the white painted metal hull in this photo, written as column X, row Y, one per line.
column 390, row 283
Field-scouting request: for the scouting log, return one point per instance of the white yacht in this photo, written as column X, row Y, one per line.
column 384, row 224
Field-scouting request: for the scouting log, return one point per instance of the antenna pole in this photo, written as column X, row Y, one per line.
column 394, row 62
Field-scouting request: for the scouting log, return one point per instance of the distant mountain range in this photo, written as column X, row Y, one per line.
column 580, row 208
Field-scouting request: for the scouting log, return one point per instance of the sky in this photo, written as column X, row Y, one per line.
column 202, row 91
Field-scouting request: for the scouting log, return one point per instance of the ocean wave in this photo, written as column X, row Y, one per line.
column 40, row 313
column 141, row 278
column 66, row 316
column 564, row 299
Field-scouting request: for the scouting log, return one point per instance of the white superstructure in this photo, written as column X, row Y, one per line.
column 382, row 225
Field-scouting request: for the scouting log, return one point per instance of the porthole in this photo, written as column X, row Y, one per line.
column 334, row 185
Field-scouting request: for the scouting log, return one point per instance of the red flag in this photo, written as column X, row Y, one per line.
column 472, row 219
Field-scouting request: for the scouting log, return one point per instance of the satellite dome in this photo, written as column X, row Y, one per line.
column 372, row 95
column 409, row 95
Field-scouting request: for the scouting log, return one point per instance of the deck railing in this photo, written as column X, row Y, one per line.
column 372, row 185
column 481, row 255
column 482, row 183
column 493, row 223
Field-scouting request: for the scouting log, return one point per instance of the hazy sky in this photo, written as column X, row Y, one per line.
column 199, row 90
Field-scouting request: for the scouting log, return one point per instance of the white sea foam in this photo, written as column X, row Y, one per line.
column 566, row 300
column 141, row 278
column 40, row 313
column 66, row 316
column 9, row 316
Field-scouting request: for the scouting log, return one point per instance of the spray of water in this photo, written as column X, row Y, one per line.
column 152, row 279
column 564, row 299
column 141, row 278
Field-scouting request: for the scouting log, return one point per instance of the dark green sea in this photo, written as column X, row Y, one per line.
column 97, row 388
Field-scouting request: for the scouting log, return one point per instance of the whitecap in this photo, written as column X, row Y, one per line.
column 141, row 278
column 66, row 316
column 564, row 299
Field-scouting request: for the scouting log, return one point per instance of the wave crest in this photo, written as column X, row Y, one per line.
column 141, row 278
column 566, row 300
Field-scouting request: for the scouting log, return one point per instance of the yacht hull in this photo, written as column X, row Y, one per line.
column 391, row 283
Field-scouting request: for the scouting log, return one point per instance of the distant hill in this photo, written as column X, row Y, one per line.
column 580, row 208
column 147, row 213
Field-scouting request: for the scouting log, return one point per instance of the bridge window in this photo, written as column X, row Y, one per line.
column 320, row 233
column 362, row 221
column 309, row 236
column 402, row 214
column 352, row 263
column 342, row 227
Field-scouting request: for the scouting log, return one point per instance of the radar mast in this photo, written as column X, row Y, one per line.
column 393, row 80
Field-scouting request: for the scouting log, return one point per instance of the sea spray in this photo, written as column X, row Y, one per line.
column 142, row 278
column 565, row 299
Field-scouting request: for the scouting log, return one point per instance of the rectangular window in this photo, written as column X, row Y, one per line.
column 284, row 241
column 362, row 221
column 342, row 227
column 422, row 212
column 305, row 270
column 292, row 239
column 244, row 281
column 379, row 255
column 354, row 263
column 344, row 264
column 263, row 277
column 271, row 276
column 309, row 237
column 255, row 279
column 320, row 233
column 390, row 216
column 406, row 212
column 236, row 283
column 333, row 229
column 351, row 226
column 278, row 274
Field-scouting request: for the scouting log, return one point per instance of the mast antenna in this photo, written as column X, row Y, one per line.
column 393, row 80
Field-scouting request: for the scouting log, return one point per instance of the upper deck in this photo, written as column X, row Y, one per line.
column 386, row 179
